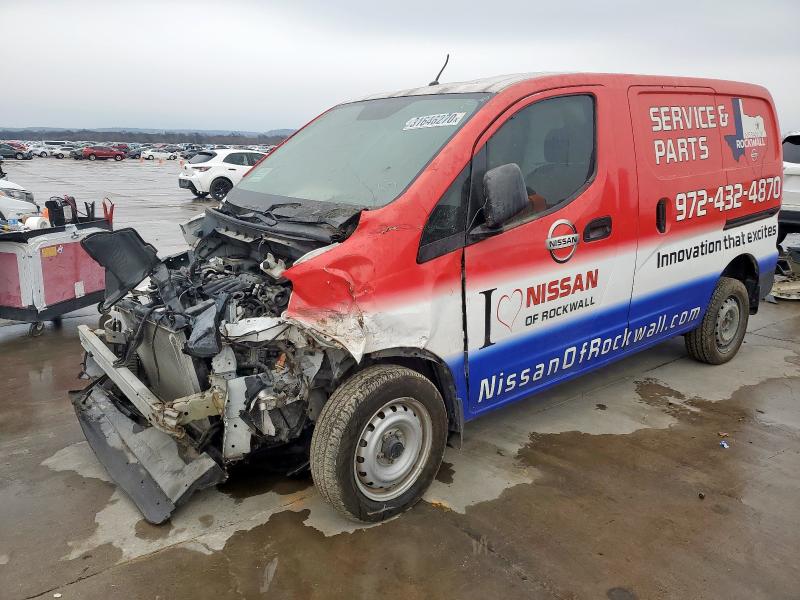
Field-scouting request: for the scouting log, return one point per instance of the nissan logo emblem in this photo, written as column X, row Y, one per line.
column 562, row 240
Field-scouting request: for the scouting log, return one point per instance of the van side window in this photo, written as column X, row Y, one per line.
column 553, row 142
column 444, row 230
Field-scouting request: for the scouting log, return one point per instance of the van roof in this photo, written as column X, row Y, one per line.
column 500, row 83
column 487, row 84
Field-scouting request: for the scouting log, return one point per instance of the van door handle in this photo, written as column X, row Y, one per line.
column 661, row 215
column 597, row 229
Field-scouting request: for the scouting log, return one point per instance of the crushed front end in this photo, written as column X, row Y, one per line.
column 195, row 366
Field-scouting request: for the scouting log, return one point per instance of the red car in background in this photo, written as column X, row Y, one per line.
column 101, row 153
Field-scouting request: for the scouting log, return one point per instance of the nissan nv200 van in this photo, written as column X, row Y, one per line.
column 411, row 261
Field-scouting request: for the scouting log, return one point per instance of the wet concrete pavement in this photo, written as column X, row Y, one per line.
column 591, row 490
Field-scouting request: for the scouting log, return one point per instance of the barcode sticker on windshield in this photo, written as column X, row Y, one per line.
column 440, row 120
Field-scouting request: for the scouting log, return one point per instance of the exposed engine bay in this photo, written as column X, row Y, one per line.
column 193, row 352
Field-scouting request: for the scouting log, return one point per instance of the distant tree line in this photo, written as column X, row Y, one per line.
column 169, row 137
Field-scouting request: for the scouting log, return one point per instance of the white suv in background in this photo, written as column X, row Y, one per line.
column 789, row 218
column 215, row 172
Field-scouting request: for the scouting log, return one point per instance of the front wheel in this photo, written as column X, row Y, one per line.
column 220, row 188
column 19, row 156
column 59, row 156
column 719, row 336
column 43, row 155
column 118, row 157
column 151, row 157
column 92, row 157
column 379, row 442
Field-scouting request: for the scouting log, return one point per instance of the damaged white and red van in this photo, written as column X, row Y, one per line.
column 408, row 262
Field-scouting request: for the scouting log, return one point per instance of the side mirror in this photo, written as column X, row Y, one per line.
column 505, row 193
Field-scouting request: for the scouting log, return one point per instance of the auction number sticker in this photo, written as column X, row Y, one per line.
column 697, row 203
column 439, row 120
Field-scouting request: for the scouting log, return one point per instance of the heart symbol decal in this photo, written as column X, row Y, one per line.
column 508, row 308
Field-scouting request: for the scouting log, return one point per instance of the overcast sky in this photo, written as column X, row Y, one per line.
column 247, row 65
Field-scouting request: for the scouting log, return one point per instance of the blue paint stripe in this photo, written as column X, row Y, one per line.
column 520, row 353
column 513, row 356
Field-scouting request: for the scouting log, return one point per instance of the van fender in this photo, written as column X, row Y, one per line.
column 745, row 268
column 434, row 368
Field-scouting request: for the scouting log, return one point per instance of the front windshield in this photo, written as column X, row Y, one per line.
column 364, row 153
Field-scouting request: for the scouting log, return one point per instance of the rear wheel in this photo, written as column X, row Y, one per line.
column 19, row 156
column 719, row 336
column 220, row 188
column 59, row 156
column 379, row 442
column 117, row 157
column 43, row 155
column 150, row 157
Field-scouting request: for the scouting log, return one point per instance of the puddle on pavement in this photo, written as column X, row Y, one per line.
column 146, row 531
column 254, row 480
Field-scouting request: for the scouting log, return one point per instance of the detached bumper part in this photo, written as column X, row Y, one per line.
column 154, row 470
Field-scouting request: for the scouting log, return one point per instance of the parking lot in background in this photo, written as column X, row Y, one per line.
column 145, row 191
column 611, row 486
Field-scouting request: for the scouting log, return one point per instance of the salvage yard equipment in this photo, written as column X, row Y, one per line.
column 412, row 261
column 45, row 273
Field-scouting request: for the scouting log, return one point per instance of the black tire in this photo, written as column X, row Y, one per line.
column 712, row 342
column 19, row 156
column 219, row 188
column 200, row 194
column 150, row 157
column 92, row 157
column 59, row 156
column 344, row 420
column 117, row 157
column 43, row 155
column 36, row 329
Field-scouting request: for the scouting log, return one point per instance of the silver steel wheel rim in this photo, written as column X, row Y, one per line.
column 728, row 320
column 380, row 473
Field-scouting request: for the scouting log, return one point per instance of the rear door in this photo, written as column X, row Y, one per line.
column 682, row 206
column 547, row 298
column 236, row 165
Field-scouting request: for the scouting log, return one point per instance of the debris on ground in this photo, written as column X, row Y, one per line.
column 724, row 444
column 787, row 279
